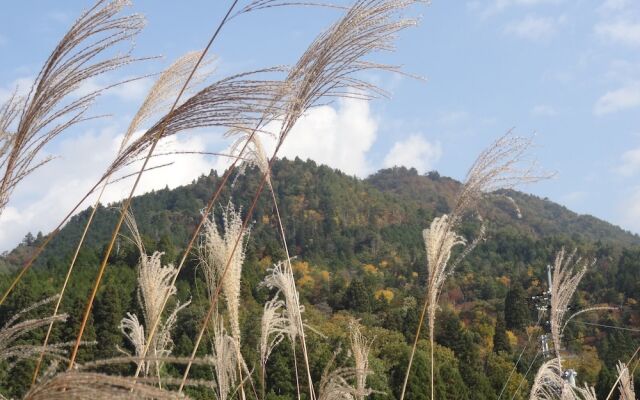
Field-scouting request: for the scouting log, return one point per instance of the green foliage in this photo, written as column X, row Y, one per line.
column 516, row 309
column 338, row 224
column 500, row 340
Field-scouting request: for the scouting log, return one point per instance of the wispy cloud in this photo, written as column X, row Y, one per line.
column 534, row 28
column 630, row 163
column 629, row 210
column 623, row 98
column 416, row 152
column 543, row 110
column 622, row 32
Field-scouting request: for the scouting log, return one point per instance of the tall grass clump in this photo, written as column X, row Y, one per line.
column 154, row 282
column 502, row 165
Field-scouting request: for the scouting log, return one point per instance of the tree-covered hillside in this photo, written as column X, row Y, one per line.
column 359, row 252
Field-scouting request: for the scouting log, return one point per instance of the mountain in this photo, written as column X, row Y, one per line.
column 359, row 253
column 317, row 201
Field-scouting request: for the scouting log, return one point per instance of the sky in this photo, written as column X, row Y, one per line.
column 566, row 72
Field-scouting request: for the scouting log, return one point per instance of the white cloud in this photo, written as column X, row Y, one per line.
column 414, row 152
column 534, row 28
column 630, row 163
column 132, row 91
column 620, row 99
column 614, row 5
column 621, row 31
column 19, row 86
column 42, row 199
column 544, row 110
column 630, row 211
column 337, row 136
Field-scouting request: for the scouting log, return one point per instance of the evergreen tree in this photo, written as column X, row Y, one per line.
column 516, row 309
column 107, row 313
column 357, row 297
column 500, row 340
column 606, row 380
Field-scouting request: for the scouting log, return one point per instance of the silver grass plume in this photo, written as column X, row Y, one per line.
column 568, row 270
column 439, row 240
column 164, row 91
column 273, row 328
column 334, row 384
column 500, row 166
column 254, row 153
column 627, row 391
column 224, row 360
column 74, row 385
column 215, row 252
column 548, row 383
column 155, row 284
column 328, row 68
column 360, row 347
column 586, row 393
column 47, row 111
column 14, row 329
column 281, row 278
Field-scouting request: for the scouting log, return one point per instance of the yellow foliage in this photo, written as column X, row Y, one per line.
column 324, row 275
column 370, row 269
column 512, row 338
column 301, row 267
column 265, row 262
column 504, row 280
column 265, row 219
column 414, row 274
column 305, row 281
column 384, row 264
column 386, row 294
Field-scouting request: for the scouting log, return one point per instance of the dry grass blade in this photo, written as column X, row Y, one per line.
column 567, row 273
column 231, row 103
column 14, row 329
column 44, row 114
column 74, row 385
column 627, row 391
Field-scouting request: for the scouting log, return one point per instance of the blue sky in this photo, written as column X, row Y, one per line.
column 565, row 71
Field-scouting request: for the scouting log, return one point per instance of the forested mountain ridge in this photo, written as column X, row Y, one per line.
column 326, row 199
column 360, row 253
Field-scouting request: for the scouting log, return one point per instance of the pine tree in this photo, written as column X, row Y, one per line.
column 516, row 309
column 358, row 297
column 500, row 340
column 107, row 313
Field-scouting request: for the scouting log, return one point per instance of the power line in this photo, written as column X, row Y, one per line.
column 607, row 326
